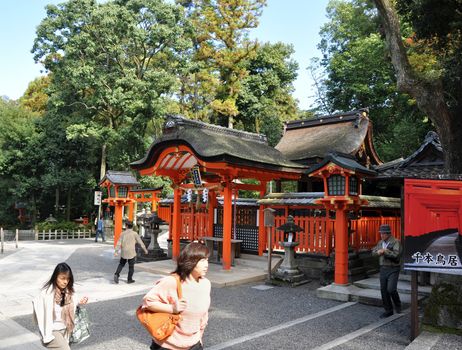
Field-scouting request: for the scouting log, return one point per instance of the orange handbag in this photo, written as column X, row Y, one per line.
column 160, row 324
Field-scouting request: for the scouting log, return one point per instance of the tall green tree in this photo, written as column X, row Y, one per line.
column 435, row 82
column 113, row 68
column 223, row 46
column 20, row 164
column 69, row 166
column 359, row 74
column 265, row 99
column 35, row 98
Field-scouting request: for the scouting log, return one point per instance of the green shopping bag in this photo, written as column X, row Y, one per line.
column 81, row 326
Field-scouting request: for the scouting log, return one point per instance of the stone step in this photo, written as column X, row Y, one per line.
column 404, row 287
column 355, row 293
column 258, row 261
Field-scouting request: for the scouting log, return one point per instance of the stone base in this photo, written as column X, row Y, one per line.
column 291, row 277
column 153, row 255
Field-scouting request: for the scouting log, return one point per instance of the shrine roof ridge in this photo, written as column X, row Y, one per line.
column 120, row 178
column 327, row 119
column 344, row 160
column 178, row 120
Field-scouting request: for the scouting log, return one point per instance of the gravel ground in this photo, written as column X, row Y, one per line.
column 238, row 311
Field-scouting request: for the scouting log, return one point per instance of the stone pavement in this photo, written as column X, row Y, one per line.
column 27, row 269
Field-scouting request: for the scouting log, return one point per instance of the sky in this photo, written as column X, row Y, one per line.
column 295, row 22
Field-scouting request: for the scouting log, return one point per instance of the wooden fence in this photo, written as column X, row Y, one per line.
column 74, row 234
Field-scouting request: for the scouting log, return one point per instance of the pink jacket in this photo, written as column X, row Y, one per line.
column 194, row 319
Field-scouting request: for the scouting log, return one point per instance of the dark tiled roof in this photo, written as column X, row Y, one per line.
column 309, row 198
column 240, row 201
column 382, row 202
column 216, row 143
column 343, row 160
column 120, row 178
column 308, row 140
column 426, row 162
column 299, row 198
column 147, row 189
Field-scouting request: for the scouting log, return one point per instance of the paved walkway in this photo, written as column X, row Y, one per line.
column 26, row 269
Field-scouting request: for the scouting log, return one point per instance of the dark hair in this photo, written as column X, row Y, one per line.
column 189, row 257
column 61, row 268
column 128, row 224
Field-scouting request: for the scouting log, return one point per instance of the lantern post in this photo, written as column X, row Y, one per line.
column 342, row 176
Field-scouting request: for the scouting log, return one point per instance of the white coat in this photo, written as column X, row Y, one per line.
column 43, row 313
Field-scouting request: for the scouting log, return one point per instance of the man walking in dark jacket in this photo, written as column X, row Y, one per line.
column 389, row 251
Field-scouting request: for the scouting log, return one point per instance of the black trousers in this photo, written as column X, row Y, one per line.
column 155, row 346
column 131, row 267
column 388, row 287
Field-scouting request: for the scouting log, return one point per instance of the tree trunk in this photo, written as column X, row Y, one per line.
column 56, row 202
column 429, row 95
column 68, row 204
column 103, row 161
column 33, row 219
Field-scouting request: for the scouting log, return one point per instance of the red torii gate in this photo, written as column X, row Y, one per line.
column 221, row 155
column 122, row 189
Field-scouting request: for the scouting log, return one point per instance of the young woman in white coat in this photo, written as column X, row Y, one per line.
column 54, row 308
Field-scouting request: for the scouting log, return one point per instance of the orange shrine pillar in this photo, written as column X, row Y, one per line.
column 117, row 221
column 130, row 211
column 341, row 246
column 176, row 224
column 154, row 202
column 227, row 223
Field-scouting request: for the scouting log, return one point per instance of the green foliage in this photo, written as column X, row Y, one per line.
column 221, row 47
column 359, row 74
column 113, row 65
column 35, row 98
column 156, row 182
column 265, row 99
column 435, row 45
column 115, row 69
column 19, row 161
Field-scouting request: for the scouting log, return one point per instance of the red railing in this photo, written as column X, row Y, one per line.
column 365, row 231
column 318, row 236
column 165, row 213
column 194, row 223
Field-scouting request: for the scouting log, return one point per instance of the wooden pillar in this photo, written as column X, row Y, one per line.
column 135, row 210
column 130, row 211
column 117, row 221
column 154, row 200
column 176, row 224
column 211, row 211
column 227, row 223
column 341, row 247
column 261, row 224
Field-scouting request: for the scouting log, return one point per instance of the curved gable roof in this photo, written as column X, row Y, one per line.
column 216, row 143
column 309, row 140
column 120, row 178
column 426, row 162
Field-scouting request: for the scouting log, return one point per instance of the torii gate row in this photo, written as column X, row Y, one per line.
column 176, row 163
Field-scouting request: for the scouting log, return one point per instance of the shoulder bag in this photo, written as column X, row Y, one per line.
column 160, row 324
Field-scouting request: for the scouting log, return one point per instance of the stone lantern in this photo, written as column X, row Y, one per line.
column 151, row 222
column 288, row 271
